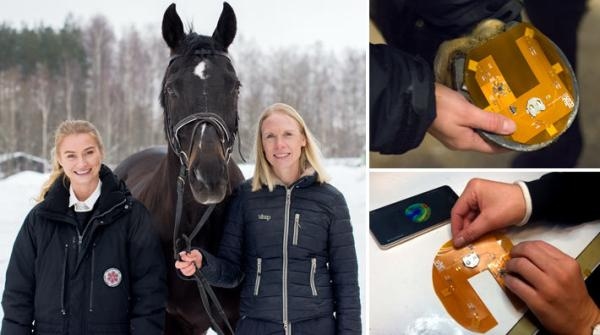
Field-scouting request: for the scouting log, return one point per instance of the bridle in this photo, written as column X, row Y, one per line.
column 227, row 139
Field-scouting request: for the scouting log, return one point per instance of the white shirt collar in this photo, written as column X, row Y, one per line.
column 86, row 205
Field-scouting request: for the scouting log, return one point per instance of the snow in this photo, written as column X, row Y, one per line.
column 12, row 155
column 17, row 194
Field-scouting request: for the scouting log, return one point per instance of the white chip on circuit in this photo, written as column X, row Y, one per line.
column 471, row 260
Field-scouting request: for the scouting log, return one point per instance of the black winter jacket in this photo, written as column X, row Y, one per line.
column 58, row 279
column 561, row 197
column 401, row 95
column 293, row 252
column 402, row 102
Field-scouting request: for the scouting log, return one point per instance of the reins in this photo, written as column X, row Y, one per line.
column 204, row 288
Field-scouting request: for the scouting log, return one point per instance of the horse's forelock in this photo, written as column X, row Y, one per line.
column 194, row 41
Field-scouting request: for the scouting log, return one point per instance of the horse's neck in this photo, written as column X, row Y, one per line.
column 160, row 195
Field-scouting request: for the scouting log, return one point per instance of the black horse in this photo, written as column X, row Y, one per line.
column 199, row 96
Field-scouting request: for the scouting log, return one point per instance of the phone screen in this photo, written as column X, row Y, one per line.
column 405, row 219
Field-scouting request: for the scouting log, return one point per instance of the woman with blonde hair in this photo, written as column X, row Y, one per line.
column 288, row 239
column 86, row 259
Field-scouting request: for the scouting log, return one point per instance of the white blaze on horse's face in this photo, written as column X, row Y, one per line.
column 201, row 70
column 201, row 135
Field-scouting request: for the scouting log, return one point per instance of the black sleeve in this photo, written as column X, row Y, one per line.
column 568, row 197
column 402, row 103
column 19, row 289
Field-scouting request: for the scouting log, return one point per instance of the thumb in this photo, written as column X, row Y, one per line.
column 491, row 122
column 197, row 257
column 470, row 233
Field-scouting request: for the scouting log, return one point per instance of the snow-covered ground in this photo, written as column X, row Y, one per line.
column 348, row 175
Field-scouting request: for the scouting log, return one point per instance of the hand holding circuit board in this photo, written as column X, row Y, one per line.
column 516, row 71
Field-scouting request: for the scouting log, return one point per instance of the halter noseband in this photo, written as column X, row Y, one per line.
column 227, row 139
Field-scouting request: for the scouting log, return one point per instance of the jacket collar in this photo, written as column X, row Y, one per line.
column 308, row 177
column 112, row 192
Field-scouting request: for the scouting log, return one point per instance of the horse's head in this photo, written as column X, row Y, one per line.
column 199, row 96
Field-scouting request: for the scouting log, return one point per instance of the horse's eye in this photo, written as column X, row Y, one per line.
column 170, row 91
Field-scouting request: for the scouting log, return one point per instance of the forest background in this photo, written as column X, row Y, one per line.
column 90, row 71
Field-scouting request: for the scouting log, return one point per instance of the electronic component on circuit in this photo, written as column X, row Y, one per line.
column 471, row 260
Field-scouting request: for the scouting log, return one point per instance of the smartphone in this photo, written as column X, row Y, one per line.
column 411, row 217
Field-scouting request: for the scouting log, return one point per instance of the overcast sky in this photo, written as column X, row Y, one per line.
column 271, row 23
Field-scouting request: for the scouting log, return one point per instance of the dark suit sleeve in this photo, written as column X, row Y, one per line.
column 402, row 103
column 19, row 289
column 148, row 275
column 568, row 197
column 343, row 267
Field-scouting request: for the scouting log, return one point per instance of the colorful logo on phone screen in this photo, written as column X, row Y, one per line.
column 418, row 212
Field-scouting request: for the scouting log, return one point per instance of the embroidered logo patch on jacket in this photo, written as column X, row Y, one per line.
column 112, row 277
column 264, row 217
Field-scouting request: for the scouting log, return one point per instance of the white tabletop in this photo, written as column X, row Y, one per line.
column 401, row 295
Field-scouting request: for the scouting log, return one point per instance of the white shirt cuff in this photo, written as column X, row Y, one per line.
column 528, row 206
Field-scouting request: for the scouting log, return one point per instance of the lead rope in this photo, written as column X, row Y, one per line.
column 204, row 287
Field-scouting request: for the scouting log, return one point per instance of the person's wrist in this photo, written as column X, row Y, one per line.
column 595, row 327
column 591, row 323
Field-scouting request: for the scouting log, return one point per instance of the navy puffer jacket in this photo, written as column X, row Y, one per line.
column 293, row 252
column 109, row 279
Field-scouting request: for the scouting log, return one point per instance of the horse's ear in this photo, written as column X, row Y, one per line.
column 172, row 27
column 227, row 26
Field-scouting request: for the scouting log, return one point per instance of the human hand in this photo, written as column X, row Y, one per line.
column 189, row 262
column 485, row 206
column 457, row 119
column 551, row 284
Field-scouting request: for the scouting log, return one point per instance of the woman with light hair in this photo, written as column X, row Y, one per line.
column 310, row 154
column 86, row 259
column 288, row 239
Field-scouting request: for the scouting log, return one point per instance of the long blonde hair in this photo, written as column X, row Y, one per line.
column 310, row 156
column 66, row 128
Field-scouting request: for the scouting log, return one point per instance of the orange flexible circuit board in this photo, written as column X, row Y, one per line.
column 453, row 267
column 516, row 76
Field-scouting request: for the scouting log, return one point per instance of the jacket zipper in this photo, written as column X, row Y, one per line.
column 258, row 272
column 288, row 197
column 313, row 269
column 92, row 279
column 296, row 228
column 64, row 278
column 82, row 235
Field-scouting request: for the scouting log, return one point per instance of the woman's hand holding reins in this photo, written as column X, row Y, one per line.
column 189, row 262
